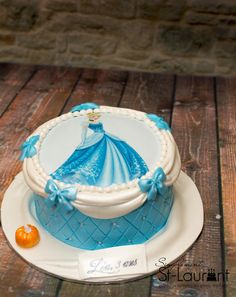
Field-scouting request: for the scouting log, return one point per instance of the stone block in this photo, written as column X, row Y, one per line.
column 225, row 49
column 84, row 61
column 168, row 64
column 224, row 32
column 204, row 67
column 120, row 64
column 232, row 32
column 156, row 60
column 3, row 15
column 61, row 43
column 149, row 9
column 132, row 54
column 86, row 23
column 14, row 54
column 179, row 65
column 137, row 34
column 62, row 59
column 62, row 5
column 6, row 39
column 22, row 15
column 229, row 20
column 171, row 12
column 184, row 40
column 213, row 6
column 36, row 41
column 192, row 17
column 91, row 44
column 225, row 66
column 116, row 8
column 43, row 57
column 44, row 18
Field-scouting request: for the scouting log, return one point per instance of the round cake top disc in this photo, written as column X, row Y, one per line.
column 103, row 150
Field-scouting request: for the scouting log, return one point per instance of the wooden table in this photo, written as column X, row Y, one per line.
column 202, row 114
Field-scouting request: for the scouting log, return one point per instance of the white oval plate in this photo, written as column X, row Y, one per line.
column 52, row 256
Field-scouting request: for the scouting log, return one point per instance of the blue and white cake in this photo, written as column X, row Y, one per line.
column 102, row 176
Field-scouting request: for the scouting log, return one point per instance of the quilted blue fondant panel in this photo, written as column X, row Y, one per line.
column 79, row 230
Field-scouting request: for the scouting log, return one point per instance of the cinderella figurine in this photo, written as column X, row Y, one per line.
column 101, row 159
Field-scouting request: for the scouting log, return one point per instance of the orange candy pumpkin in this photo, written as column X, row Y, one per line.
column 27, row 236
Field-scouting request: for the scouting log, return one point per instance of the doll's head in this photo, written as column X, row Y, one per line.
column 93, row 116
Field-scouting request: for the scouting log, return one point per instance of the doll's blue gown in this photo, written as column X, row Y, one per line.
column 101, row 160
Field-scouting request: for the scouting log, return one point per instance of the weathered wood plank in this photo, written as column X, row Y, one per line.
column 50, row 78
column 138, row 288
column 12, row 79
column 29, row 109
column 194, row 128
column 226, row 101
column 99, row 86
column 12, row 74
column 5, row 67
column 20, row 279
column 151, row 93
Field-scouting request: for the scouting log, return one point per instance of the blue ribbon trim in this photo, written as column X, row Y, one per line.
column 84, row 106
column 28, row 147
column 154, row 185
column 159, row 121
column 64, row 196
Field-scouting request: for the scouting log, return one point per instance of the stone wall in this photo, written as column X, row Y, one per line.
column 177, row 36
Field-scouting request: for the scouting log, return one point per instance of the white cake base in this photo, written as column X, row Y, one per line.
column 52, row 256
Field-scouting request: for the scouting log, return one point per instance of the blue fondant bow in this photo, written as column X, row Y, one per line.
column 159, row 121
column 84, row 106
column 64, row 196
column 28, row 147
column 154, row 185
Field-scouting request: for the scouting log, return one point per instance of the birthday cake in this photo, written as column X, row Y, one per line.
column 102, row 176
